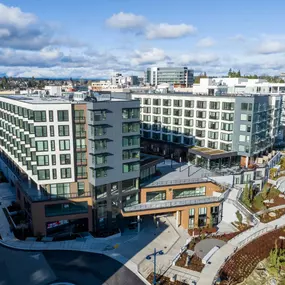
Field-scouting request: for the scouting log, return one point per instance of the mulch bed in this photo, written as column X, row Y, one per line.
column 265, row 218
column 202, row 231
column 195, row 262
column 162, row 280
column 243, row 262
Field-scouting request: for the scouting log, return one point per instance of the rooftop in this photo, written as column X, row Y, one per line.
column 56, row 100
column 177, row 173
column 211, row 153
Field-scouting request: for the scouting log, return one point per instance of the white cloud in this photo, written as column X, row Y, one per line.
column 198, row 59
column 270, row 47
column 148, row 57
column 167, row 31
column 13, row 16
column 206, row 42
column 126, row 21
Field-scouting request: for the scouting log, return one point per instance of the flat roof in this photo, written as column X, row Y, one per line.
column 56, row 99
column 211, row 153
column 147, row 160
column 173, row 172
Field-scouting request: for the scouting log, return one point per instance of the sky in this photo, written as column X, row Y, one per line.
column 95, row 39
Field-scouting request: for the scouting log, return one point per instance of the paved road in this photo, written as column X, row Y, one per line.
column 37, row 268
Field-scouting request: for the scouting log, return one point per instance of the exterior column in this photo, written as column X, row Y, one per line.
column 177, row 219
column 139, row 223
column 246, row 162
column 208, row 163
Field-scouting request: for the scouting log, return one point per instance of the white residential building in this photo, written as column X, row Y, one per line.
column 53, row 90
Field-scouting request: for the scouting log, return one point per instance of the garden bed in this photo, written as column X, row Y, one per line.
column 266, row 218
column 245, row 260
column 162, row 280
column 195, row 263
column 202, row 231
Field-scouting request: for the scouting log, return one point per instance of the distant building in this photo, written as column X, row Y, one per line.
column 53, row 90
column 180, row 76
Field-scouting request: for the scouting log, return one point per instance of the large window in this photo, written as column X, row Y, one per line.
column 62, row 189
column 131, row 153
column 80, row 188
column 65, row 173
column 131, row 167
column 100, row 172
column 130, row 127
column 62, row 116
column 130, row 184
column 42, row 145
column 81, row 172
column 202, row 218
column 65, row 159
column 40, row 116
column 100, row 191
column 99, row 159
column 43, row 174
column 228, row 106
column 66, row 209
column 40, row 131
column 155, row 196
column 189, row 192
column 63, row 131
column 100, row 144
column 131, row 113
column 98, row 130
column 42, row 160
column 64, row 145
column 131, row 141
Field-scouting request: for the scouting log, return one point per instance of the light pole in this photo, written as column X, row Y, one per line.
column 154, row 262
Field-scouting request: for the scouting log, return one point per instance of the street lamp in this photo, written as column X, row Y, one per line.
column 154, row 254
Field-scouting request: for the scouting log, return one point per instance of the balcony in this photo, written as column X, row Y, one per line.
column 81, row 148
column 82, row 175
column 81, row 162
column 81, row 134
column 79, row 120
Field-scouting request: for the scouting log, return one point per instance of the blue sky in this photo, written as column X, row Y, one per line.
column 92, row 38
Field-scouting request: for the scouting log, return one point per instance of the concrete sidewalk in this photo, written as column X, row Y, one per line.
column 218, row 259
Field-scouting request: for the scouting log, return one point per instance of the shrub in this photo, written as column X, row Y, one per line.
column 258, row 203
column 239, row 217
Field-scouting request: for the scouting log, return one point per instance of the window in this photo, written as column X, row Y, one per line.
column 226, row 146
column 147, row 110
column 147, row 101
column 51, row 130
column 227, row 116
column 130, row 167
column 63, row 131
column 177, row 112
column 65, row 159
column 177, row 103
column 53, row 159
column 98, row 130
column 66, row 209
column 228, row 106
column 54, row 174
column 100, row 191
column 189, row 104
column 132, row 113
column 43, row 174
column 80, row 117
column 246, row 106
column 130, row 127
column 200, row 124
column 100, row 144
column 80, row 144
column 98, row 115
column 50, row 114
column 202, row 218
column 156, row 102
column 242, row 138
column 62, row 116
column 201, row 114
column 226, row 137
column 61, row 189
column 81, row 172
column 129, row 184
column 189, row 113
column 100, row 172
column 41, row 131
column 131, row 154
column 215, row 105
column 156, row 110
column 213, row 135
column 189, row 192
column 166, row 102
column 227, row 127
column 99, row 159
column 52, row 145
column 40, row 116
column 42, row 145
column 42, row 160
column 201, row 104
column 65, row 172
column 155, row 196
column 80, row 188
column 131, row 141
column 64, row 145
column 242, row 128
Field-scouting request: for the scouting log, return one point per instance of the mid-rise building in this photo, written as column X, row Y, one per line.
column 177, row 76
column 63, row 155
column 220, row 127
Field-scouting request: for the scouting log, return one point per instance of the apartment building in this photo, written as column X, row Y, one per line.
column 177, row 76
column 56, row 154
column 222, row 128
column 114, row 158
